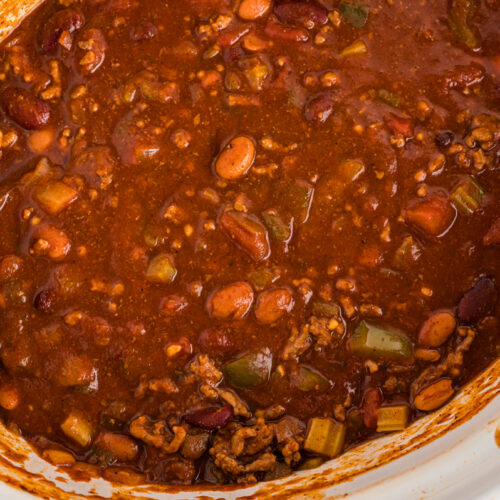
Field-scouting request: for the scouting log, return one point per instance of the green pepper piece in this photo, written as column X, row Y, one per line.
column 354, row 15
column 263, row 277
column 461, row 13
column 370, row 341
column 467, row 196
column 297, row 197
column 389, row 98
column 249, row 371
column 161, row 269
column 279, row 231
column 325, row 436
column 325, row 310
column 392, row 418
column 308, row 380
column 311, row 463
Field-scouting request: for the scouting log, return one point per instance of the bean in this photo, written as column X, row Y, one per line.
column 45, row 300
column 232, row 301
column 216, row 341
column 195, row 445
column 25, row 108
column 144, row 31
column 320, row 107
column 274, row 29
column 210, row 418
column 272, row 304
column 58, row 457
column 248, row 233
column 372, row 400
column 250, row 10
column 9, row 397
column 41, row 140
column 236, row 158
column 478, row 301
column 122, row 447
column 73, row 371
column 92, row 53
column 437, row 329
column 68, row 20
column 433, row 396
column 300, row 11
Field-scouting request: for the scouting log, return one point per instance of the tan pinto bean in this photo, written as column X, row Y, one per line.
column 122, row 447
column 250, row 10
column 272, row 304
column 433, row 396
column 232, row 301
column 437, row 329
column 236, row 158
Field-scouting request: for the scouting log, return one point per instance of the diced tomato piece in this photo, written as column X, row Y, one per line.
column 433, row 215
column 371, row 403
column 400, row 125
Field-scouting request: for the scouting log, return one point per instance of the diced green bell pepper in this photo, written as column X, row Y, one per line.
column 250, row 370
column 325, row 436
column 308, row 380
column 354, row 15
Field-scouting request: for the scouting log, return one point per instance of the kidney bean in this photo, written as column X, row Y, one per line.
column 9, row 267
column 68, row 20
column 444, row 139
column 434, row 214
column 216, row 341
column 143, row 31
column 25, row 108
column 249, row 10
column 435, row 395
column 372, row 400
column 300, row 11
column 320, row 107
column 232, row 301
column 231, row 35
column 462, row 76
column 437, row 329
column 272, row 304
column 274, row 29
column 45, row 300
column 477, row 302
column 210, row 418
column 236, row 158
column 492, row 237
column 247, row 232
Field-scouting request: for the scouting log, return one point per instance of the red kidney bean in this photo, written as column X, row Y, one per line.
column 478, row 301
column 300, row 11
column 372, row 400
column 210, row 418
column 68, row 20
column 25, row 108
column 274, row 29
column 143, row 31
column 320, row 107
column 45, row 300
column 216, row 341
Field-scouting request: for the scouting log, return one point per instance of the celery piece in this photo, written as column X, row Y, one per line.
column 296, row 196
column 460, row 18
column 308, row 380
column 161, row 269
column 249, row 371
column 389, row 98
column 370, row 341
column 467, row 196
column 325, row 436
column 354, row 15
column 392, row 418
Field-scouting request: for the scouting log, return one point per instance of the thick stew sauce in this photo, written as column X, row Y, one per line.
column 239, row 237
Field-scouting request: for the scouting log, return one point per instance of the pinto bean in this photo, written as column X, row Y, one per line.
column 435, row 395
column 437, row 329
column 249, row 10
column 372, row 400
column 232, row 301
column 25, row 108
column 300, row 11
column 9, row 397
column 52, row 242
column 247, row 232
column 478, row 301
column 68, row 20
column 272, row 304
column 122, row 447
column 210, row 418
column 236, row 158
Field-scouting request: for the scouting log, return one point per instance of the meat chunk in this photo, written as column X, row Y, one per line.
column 157, row 434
